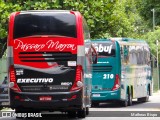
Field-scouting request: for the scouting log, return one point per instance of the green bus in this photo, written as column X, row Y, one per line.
column 123, row 71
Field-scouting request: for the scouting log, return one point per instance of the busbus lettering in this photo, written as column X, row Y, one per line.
column 101, row 48
column 49, row 44
column 58, row 46
column 35, row 80
column 25, row 46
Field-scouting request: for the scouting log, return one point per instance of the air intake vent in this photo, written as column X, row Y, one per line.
column 44, row 56
column 102, row 68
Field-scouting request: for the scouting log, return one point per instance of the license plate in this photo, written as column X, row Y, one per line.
column 96, row 95
column 45, row 98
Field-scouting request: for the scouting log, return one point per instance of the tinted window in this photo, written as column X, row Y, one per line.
column 139, row 55
column 86, row 30
column 105, row 49
column 63, row 24
column 125, row 54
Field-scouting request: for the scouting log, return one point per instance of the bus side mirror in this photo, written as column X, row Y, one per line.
column 94, row 55
column 121, row 49
column 94, row 58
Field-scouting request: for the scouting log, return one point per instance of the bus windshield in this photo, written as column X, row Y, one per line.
column 105, row 49
column 63, row 24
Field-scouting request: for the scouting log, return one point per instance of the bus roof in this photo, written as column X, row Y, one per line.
column 101, row 40
column 126, row 41
column 43, row 11
column 77, row 13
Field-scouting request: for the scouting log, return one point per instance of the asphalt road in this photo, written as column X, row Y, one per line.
column 112, row 111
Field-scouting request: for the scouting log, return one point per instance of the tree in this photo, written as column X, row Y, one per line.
column 104, row 17
column 151, row 38
column 145, row 10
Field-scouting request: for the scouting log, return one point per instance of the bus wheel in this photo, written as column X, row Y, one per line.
column 129, row 99
column 87, row 110
column 20, row 110
column 95, row 104
column 81, row 113
column 146, row 99
column 71, row 114
column 1, row 108
column 140, row 99
column 125, row 102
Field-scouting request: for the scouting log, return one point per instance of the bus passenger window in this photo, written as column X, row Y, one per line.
column 126, row 54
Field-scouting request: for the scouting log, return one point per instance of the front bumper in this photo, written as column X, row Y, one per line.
column 105, row 95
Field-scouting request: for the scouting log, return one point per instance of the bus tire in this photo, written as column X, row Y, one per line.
column 129, row 99
column 124, row 103
column 146, row 99
column 72, row 114
column 81, row 113
column 140, row 99
column 1, row 108
column 87, row 110
column 95, row 104
column 18, row 110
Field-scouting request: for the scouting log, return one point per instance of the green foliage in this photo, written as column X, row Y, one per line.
column 146, row 7
column 146, row 28
column 104, row 17
column 5, row 10
column 151, row 38
column 120, row 22
column 95, row 12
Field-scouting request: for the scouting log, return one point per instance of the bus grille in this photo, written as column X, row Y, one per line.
column 44, row 56
column 102, row 68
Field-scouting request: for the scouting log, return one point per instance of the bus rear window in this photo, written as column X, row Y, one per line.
column 32, row 24
column 105, row 49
